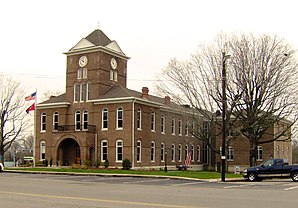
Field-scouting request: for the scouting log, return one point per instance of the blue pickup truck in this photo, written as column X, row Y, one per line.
column 272, row 168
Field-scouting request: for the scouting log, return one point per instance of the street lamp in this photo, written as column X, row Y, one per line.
column 224, row 106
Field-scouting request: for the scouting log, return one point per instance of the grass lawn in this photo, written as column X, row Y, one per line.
column 187, row 173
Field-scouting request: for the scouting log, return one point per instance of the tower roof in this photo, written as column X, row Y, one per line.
column 98, row 38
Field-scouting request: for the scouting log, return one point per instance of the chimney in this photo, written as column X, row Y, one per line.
column 167, row 100
column 145, row 92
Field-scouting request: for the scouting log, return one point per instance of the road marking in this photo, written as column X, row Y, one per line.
column 185, row 184
column 98, row 200
column 146, row 181
column 290, row 188
column 238, row 186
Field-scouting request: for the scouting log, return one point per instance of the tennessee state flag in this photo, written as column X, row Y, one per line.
column 31, row 97
column 31, row 108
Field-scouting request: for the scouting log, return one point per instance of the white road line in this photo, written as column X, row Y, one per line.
column 146, row 181
column 185, row 184
column 290, row 188
column 238, row 186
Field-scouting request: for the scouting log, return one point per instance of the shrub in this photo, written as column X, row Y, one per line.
column 97, row 163
column 126, row 164
column 87, row 163
column 106, row 164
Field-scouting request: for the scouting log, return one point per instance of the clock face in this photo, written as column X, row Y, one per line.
column 83, row 61
column 113, row 63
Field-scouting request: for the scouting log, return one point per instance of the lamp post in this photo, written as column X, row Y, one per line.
column 224, row 106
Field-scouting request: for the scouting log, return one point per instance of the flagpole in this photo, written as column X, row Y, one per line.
column 34, row 134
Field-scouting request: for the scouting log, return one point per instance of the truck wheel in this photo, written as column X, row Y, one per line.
column 252, row 177
column 295, row 177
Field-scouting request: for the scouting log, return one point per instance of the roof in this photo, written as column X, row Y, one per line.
column 98, row 38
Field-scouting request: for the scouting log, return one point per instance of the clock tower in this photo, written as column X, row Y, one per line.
column 94, row 65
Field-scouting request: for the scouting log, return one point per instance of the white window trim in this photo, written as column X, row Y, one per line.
column 54, row 116
column 180, row 153
column 83, row 126
column 78, row 112
column 117, row 127
column 139, row 112
column 101, row 152
column 173, row 126
column 258, row 148
column 119, row 161
column 105, row 110
column 162, row 149
column 82, row 92
column 163, row 124
column 41, row 122
column 42, row 150
column 198, row 153
column 88, row 90
column 139, row 142
column 180, row 126
column 153, row 122
column 75, row 88
column 153, row 151
column 173, row 151
column 229, row 151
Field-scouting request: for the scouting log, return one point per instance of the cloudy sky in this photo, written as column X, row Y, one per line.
column 34, row 34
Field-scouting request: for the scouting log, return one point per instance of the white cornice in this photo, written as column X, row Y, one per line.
column 53, row 105
column 97, row 48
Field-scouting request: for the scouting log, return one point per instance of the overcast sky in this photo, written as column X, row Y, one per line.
column 34, row 33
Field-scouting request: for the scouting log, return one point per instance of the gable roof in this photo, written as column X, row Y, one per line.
column 97, row 40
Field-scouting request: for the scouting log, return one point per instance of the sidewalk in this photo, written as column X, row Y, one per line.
column 121, row 175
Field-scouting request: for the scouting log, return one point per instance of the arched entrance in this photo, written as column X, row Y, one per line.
column 69, row 152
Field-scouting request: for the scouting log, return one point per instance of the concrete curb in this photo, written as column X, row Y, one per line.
column 123, row 175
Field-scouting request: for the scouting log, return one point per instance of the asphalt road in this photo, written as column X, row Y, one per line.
column 64, row 191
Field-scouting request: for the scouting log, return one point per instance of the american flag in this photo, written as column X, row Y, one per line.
column 31, row 97
column 187, row 161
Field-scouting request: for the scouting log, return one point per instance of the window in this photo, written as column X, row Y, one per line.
column 119, row 150
column 162, row 152
column 104, row 150
column 113, row 75
column 119, row 118
column 152, row 152
column 82, row 93
column 259, row 153
column 173, row 152
column 152, row 121
column 173, row 126
column 230, row 155
column 139, row 151
column 139, row 119
column 85, row 120
column 186, row 128
column 193, row 128
column 162, row 124
column 180, row 153
column 55, row 121
column 88, row 95
column 180, row 127
column 192, row 149
column 85, row 71
column 78, row 121
column 198, row 153
column 76, row 92
column 79, row 75
column 186, row 151
column 104, row 125
column 205, row 153
column 43, row 122
column 42, row 150
column 205, row 129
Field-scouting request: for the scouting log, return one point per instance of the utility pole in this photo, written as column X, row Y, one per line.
column 224, row 107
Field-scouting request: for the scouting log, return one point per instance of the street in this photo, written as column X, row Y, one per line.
column 63, row 191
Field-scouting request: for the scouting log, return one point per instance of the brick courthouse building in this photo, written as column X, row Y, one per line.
column 99, row 118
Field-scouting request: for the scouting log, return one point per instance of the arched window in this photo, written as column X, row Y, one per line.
column 139, row 119
column 119, row 151
column 76, row 90
column 139, row 151
column 43, row 122
column 78, row 121
column 104, row 125
column 85, row 120
column 104, row 150
column 119, row 124
column 162, row 152
column 88, row 89
column 152, row 152
column 42, row 150
column 198, row 153
column 55, row 121
column 173, row 152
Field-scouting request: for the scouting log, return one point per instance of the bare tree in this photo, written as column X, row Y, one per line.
column 48, row 93
column 261, row 85
column 13, row 121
